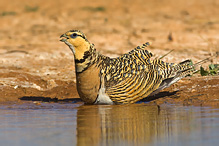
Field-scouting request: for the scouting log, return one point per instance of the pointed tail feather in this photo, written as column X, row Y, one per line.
column 184, row 68
column 191, row 68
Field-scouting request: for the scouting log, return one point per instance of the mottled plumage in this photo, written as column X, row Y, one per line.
column 122, row 80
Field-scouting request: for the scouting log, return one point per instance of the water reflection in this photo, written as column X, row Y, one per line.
column 137, row 125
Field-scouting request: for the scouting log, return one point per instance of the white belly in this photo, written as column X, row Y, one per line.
column 103, row 98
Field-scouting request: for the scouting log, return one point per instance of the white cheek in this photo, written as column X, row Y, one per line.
column 70, row 46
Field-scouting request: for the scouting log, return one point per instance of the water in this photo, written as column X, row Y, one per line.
column 137, row 124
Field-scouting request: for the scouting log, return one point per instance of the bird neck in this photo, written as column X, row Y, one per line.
column 85, row 56
column 81, row 50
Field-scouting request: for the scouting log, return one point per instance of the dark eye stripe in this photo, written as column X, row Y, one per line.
column 74, row 35
column 81, row 36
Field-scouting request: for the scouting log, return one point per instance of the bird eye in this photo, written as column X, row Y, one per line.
column 74, row 35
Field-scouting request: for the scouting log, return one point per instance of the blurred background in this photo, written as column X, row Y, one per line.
column 33, row 62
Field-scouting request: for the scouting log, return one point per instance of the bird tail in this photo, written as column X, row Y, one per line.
column 181, row 70
column 189, row 68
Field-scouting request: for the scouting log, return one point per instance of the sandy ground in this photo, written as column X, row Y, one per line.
column 34, row 64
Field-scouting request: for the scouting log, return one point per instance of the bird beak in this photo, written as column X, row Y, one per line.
column 64, row 38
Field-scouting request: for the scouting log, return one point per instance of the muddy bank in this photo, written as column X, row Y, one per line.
column 201, row 91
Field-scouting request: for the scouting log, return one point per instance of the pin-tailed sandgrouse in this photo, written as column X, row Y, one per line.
column 122, row 80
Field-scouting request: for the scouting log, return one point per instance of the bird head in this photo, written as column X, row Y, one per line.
column 77, row 42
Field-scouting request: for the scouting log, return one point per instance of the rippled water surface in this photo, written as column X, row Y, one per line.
column 137, row 124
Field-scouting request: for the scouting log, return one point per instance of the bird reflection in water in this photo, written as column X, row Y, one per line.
column 136, row 124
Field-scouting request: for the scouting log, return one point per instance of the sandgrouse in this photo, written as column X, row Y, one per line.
column 122, row 80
